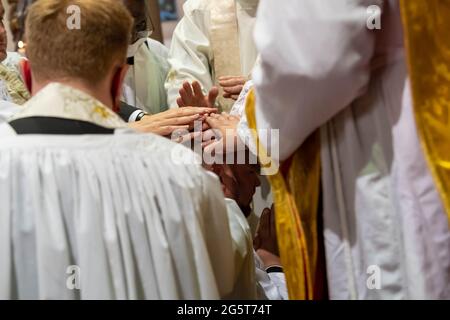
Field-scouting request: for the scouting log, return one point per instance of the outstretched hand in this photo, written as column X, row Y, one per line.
column 167, row 122
column 222, row 133
column 232, row 86
column 192, row 96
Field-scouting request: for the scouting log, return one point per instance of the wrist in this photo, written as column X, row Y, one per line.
column 268, row 259
column 140, row 116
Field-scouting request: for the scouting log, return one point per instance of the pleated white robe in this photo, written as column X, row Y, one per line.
column 135, row 214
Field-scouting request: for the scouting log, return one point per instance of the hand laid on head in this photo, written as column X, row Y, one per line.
column 192, row 96
column 167, row 122
column 223, row 128
column 265, row 242
column 232, row 86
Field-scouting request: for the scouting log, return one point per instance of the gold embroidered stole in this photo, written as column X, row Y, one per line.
column 296, row 197
column 426, row 27
column 14, row 85
column 60, row 101
column 225, row 45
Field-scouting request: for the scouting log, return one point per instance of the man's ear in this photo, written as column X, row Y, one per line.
column 25, row 70
column 116, row 86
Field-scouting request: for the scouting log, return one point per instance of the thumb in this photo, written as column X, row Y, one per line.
column 212, row 96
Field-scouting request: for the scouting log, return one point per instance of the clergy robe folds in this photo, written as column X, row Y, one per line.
column 134, row 233
column 323, row 68
column 104, row 214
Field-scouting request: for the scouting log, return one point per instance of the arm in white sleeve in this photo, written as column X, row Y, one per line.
column 190, row 53
column 315, row 60
column 252, row 278
column 271, row 286
column 243, row 130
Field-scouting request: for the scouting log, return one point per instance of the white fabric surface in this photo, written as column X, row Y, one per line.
column 7, row 110
column 271, row 287
column 322, row 68
column 136, row 226
column 144, row 83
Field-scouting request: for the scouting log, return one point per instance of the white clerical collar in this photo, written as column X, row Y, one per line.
column 60, row 101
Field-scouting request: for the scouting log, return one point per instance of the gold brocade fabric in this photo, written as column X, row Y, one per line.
column 426, row 26
column 296, row 202
column 15, row 86
column 225, row 45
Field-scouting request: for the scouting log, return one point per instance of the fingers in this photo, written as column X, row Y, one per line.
column 234, row 90
column 212, row 96
column 180, row 102
column 188, row 89
column 169, row 130
column 157, row 129
column 232, row 82
column 186, row 94
column 229, row 117
column 198, row 93
column 184, row 120
column 273, row 229
column 213, row 121
column 184, row 98
column 186, row 111
column 223, row 78
column 264, row 223
column 186, row 137
column 235, row 97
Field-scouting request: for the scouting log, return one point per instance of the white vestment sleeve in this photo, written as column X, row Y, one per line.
column 315, row 61
column 189, row 54
column 242, row 243
column 106, row 210
column 271, row 286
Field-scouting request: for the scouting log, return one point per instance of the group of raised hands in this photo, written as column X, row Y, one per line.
column 195, row 107
column 238, row 181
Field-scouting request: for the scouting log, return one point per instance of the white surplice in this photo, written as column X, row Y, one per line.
column 323, row 68
column 143, row 86
column 7, row 110
column 191, row 55
column 106, row 210
column 269, row 286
